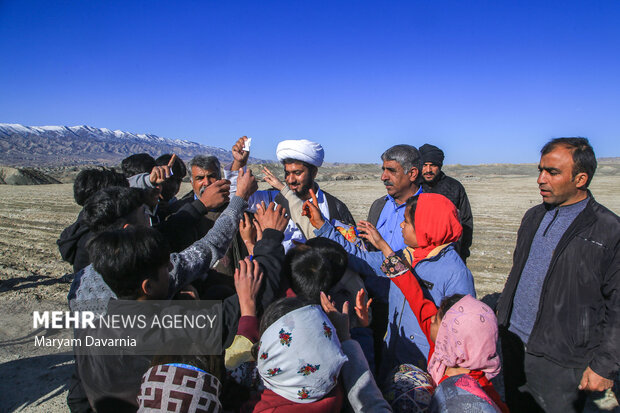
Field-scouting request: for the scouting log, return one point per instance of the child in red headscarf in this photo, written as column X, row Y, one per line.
column 431, row 256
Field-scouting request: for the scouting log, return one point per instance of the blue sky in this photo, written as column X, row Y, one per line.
column 488, row 81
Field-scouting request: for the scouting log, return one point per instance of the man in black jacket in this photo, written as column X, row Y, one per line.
column 559, row 312
column 438, row 182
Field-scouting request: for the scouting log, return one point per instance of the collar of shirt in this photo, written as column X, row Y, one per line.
column 391, row 199
column 292, row 233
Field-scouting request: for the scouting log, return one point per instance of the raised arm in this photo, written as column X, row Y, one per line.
column 423, row 308
column 204, row 253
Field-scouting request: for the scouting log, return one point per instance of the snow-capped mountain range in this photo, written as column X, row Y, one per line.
column 75, row 145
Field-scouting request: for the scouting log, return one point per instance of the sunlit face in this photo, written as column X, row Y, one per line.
column 202, row 178
column 397, row 181
column 299, row 178
column 555, row 180
column 430, row 171
column 409, row 235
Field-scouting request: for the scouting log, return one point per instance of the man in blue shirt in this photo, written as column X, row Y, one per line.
column 402, row 165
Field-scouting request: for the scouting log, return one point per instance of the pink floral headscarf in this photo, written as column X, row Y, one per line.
column 467, row 337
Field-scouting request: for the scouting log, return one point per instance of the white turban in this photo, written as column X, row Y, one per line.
column 301, row 150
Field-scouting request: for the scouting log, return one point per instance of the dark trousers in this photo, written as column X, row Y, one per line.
column 76, row 398
column 535, row 384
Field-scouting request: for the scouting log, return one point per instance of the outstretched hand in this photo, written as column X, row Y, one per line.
column 362, row 306
column 216, row 194
column 248, row 232
column 370, row 233
column 312, row 211
column 272, row 180
column 340, row 320
column 240, row 157
column 160, row 173
column 271, row 216
column 248, row 280
column 246, row 184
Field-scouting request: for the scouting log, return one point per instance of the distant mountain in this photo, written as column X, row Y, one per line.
column 76, row 145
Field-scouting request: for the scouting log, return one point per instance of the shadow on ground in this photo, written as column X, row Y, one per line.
column 31, row 281
column 29, row 382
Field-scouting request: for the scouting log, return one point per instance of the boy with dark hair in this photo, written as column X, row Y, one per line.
column 137, row 163
column 92, row 180
column 114, row 207
column 72, row 240
column 136, row 264
column 315, row 266
column 133, row 262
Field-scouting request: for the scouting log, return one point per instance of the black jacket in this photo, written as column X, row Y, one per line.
column 72, row 244
column 578, row 318
column 455, row 192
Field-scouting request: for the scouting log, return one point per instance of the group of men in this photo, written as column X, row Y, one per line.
column 559, row 313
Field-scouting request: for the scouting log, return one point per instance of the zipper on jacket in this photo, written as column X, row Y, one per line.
column 570, row 233
column 557, row 211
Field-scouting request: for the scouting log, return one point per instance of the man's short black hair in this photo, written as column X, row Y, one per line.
column 126, row 257
column 91, row 180
column 137, row 163
column 314, row 267
column 179, row 170
column 583, row 154
column 112, row 207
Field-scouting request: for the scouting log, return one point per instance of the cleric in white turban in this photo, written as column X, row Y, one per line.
column 301, row 159
column 300, row 150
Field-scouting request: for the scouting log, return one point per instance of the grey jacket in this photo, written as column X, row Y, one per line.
column 90, row 292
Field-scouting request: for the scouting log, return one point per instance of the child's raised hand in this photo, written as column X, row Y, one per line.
column 338, row 319
column 369, row 232
column 271, row 216
column 312, row 211
column 362, row 305
column 248, row 232
column 248, row 280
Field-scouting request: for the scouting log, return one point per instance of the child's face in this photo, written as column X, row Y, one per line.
column 409, row 231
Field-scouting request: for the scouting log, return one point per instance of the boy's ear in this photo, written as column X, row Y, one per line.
column 145, row 287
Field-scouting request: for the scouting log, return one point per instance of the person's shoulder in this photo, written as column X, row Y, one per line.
column 379, row 201
column 452, row 181
column 448, row 257
column 534, row 211
column 605, row 213
column 332, row 199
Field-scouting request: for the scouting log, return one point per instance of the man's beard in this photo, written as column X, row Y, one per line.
column 430, row 181
column 304, row 190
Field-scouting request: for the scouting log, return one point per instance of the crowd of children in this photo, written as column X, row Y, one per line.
column 296, row 326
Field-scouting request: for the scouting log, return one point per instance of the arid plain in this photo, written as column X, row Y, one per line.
column 31, row 271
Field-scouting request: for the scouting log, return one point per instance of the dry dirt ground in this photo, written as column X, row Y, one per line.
column 31, row 271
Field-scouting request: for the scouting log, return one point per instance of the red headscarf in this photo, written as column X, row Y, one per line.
column 436, row 223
